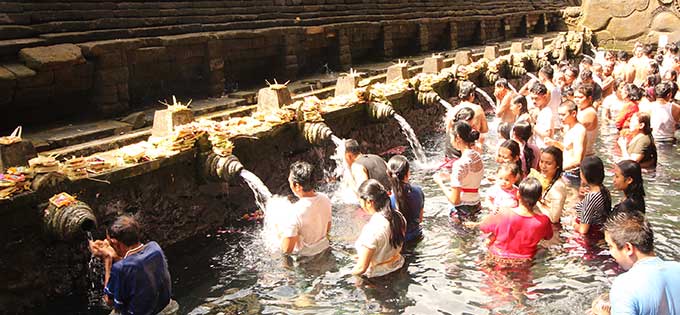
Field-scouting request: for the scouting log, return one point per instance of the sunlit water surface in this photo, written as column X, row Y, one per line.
column 232, row 272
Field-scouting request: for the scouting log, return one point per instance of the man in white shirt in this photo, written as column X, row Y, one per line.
column 306, row 225
column 544, row 127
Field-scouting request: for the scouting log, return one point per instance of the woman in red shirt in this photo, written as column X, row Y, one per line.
column 515, row 232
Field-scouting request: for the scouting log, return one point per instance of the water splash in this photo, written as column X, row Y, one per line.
column 96, row 278
column 412, row 139
column 446, row 104
column 488, row 98
column 260, row 190
column 277, row 206
column 338, row 156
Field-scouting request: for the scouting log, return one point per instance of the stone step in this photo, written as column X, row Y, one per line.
column 12, row 46
column 74, row 134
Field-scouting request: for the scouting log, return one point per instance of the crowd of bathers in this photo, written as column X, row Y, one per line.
column 548, row 131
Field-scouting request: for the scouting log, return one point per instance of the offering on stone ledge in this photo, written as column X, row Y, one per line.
column 44, row 164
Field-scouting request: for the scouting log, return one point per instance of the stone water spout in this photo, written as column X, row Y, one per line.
column 222, row 167
column 380, row 111
column 67, row 221
column 316, row 132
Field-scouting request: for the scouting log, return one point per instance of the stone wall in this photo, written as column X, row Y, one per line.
column 171, row 200
column 620, row 23
column 135, row 53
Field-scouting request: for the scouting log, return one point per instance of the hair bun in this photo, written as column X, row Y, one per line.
column 474, row 135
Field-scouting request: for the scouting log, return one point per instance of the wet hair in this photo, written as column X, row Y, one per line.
column 352, row 146
column 513, row 147
column 301, row 173
column 467, row 90
column 570, row 105
column 644, row 118
column 636, row 189
column 504, row 130
column 658, row 58
column 530, row 191
column 559, row 158
column 619, row 82
column 572, row 70
column 513, row 168
column 592, row 169
column 372, row 190
column 538, row 88
column 522, row 101
column 464, row 132
column 673, row 73
column 125, row 229
column 587, row 61
column 647, row 49
column 672, row 48
column 586, row 89
column 502, row 82
column 630, row 227
column 547, row 71
column 653, row 80
column 464, row 114
column 633, row 92
column 397, row 168
column 586, row 75
column 663, row 90
column 523, row 131
column 601, row 304
column 622, row 55
column 567, row 91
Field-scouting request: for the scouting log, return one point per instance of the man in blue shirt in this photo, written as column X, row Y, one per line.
column 651, row 285
column 137, row 280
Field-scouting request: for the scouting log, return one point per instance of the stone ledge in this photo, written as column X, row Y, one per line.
column 52, row 57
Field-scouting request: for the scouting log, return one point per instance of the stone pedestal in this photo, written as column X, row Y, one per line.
column 397, row 72
column 16, row 154
column 537, row 44
column 464, row 57
column 165, row 120
column 491, row 52
column 346, row 84
column 273, row 97
column 433, row 64
column 517, row 47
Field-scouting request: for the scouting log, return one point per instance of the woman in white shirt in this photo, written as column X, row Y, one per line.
column 379, row 245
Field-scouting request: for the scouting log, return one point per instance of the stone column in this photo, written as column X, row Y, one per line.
column 215, row 67
column 507, row 28
column 453, row 34
column 344, row 45
column 388, row 44
column 483, row 25
column 424, row 36
column 292, row 39
column 110, row 91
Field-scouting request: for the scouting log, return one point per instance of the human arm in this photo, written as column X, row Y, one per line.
column 359, row 175
column 635, row 154
column 451, row 193
column 553, row 203
column 365, row 255
column 288, row 244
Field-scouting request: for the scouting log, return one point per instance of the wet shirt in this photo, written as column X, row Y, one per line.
column 308, row 220
column 594, row 208
column 375, row 166
column 503, row 197
column 466, row 174
column 415, row 200
column 376, row 236
column 140, row 283
column 644, row 145
column 651, row 286
column 516, row 236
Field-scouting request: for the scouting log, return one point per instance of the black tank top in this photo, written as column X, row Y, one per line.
column 376, row 168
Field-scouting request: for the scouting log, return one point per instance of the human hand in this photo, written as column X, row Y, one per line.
column 622, row 143
column 102, row 249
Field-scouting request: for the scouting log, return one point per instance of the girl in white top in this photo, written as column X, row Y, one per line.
column 379, row 245
column 466, row 173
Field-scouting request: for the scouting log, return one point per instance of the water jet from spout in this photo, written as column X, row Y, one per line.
column 488, row 98
column 411, row 138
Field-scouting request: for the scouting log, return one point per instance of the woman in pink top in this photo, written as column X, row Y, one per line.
column 516, row 232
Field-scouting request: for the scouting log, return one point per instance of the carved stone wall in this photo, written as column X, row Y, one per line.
column 620, row 23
